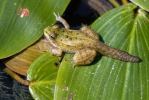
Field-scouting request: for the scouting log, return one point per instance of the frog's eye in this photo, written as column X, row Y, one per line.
column 52, row 36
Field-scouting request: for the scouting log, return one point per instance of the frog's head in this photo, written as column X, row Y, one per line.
column 50, row 32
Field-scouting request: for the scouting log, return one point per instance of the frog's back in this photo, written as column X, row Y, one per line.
column 73, row 40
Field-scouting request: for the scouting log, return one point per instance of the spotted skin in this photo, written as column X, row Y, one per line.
column 84, row 43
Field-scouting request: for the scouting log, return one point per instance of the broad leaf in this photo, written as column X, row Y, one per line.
column 107, row 78
column 142, row 3
column 18, row 31
column 42, row 74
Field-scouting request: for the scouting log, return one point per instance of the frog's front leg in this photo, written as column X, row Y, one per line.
column 84, row 57
column 87, row 30
column 63, row 21
column 55, row 51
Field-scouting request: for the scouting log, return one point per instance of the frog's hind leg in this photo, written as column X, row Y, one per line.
column 84, row 57
column 87, row 30
column 115, row 53
column 63, row 21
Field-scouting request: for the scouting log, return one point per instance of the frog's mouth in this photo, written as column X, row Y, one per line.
column 46, row 35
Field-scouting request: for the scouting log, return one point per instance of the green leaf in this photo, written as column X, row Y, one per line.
column 16, row 32
column 107, row 78
column 42, row 74
column 142, row 3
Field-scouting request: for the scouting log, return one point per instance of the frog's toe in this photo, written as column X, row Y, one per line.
column 58, row 17
column 73, row 66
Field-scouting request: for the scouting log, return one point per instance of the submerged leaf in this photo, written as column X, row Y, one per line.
column 20, row 63
column 107, row 78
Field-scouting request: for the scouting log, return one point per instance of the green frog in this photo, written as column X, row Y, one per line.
column 84, row 43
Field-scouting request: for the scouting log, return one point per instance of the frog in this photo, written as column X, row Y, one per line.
column 83, row 43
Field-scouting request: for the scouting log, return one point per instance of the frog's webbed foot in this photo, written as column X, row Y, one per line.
column 84, row 57
column 87, row 30
column 63, row 21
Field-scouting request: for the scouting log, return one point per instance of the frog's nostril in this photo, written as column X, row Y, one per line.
column 46, row 31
